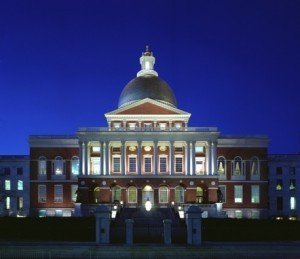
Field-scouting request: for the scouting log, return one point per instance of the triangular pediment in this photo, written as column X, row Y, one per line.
column 147, row 106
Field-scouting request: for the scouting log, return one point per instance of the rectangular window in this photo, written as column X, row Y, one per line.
column 7, row 203
column 292, row 184
column 42, row 167
column 178, row 164
column 20, row 185
column 162, row 164
column 238, row 193
column 42, row 192
column 116, row 149
column 279, row 185
column 95, row 165
column 132, row 126
column 163, row 195
column 238, row 214
column 162, row 126
column 58, row 193
column 199, row 166
column 132, row 164
column 74, row 188
column 117, row 164
column 292, row 170
column 199, row 149
column 6, row 170
column 20, row 203
column 278, row 170
column 223, row 193
column 20, row 171
column 148, row 164
column 255, row 194
column 293, row 203
column 279, row 203
column 7, row 185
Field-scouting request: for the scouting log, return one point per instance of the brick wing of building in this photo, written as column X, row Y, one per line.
column 147, row 152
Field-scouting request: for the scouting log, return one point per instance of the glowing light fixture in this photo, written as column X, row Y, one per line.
column 132, row 148
column 148, row 205
column 163, row 148
column 147, row 148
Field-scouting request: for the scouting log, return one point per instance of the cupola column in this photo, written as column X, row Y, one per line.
column 208, row 158
column 86, row 149
column 214, row 157
column 193, row 158
column 81, row 157
column 101, row 158
column 187, row 158
column 106, row 172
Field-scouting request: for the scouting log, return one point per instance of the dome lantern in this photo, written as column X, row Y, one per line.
column 147, row 61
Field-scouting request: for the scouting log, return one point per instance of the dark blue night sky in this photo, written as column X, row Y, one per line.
column 232, row 64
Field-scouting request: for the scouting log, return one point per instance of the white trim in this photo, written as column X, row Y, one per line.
column 128, row 158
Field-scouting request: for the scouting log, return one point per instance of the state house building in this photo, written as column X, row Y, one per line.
column 148, row 152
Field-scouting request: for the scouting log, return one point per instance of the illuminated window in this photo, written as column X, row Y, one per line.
column 255, row 194
column 162, row 164
column 293, row 203
column 279, row 185
column 238, row 193
column 58, row 193
column 221, row 166
column 74, row 188
column 7, row 185
column 96, row 149
column 20, row 185
column 163, row 194
column 132, row 126
column 178, row 125
column 116, row 194
column 199, row 165
column 42, row 165
column 117, row 164
column 179, row 194
column 58, row 165
column 132, row 194
column 7, row 203
column 42, row 192
column 95, row 161
column 75, row 165
column 237, row 166
column 20, row 203
column 199, row 195
column 178, row 164
column 292, row 184
column 162, row 126
column 148, row 164
column 97, row 195
column 132, row 164
column 254, row 166
column 238, row 214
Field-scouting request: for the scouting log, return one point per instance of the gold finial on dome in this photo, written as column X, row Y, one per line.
column 147, row 51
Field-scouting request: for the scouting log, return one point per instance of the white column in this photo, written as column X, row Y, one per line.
column 101, row 158
column 172, row 157
column 107, row 158
column 81, row 158
column 123, row 157
column 187, row 158
column 193, row 159
column 208, row 158
column 155, row 155
column 139, row 157
column 86, row 157
column 214, row 158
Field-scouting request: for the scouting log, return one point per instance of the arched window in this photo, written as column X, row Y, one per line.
column 58, row 165
column 254, row 167
column 179, row 194
column 42, row 165
column 199, row 195
column 163, row 194
column 97, row 195
column 116, row 194
column 237, row 167
column 75, row 165
column 221, row 166
column 132, row 194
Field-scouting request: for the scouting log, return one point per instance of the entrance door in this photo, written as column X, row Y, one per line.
column 148, row 194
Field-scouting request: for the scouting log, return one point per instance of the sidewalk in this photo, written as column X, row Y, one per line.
column 207, row 250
